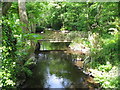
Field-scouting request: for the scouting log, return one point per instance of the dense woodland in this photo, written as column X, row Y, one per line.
column 98, row 20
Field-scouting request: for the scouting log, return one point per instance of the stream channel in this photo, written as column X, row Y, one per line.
column 56, row 69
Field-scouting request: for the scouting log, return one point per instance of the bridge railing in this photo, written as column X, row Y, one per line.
column 65, row 36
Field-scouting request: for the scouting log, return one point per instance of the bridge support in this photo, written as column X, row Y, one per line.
column 37, row 47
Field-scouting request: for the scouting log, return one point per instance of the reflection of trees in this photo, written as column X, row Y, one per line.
column 58, row 46
column 62, row 67
column 39, row 74
column 57, row 63
column 42, row 69
column 54, row 46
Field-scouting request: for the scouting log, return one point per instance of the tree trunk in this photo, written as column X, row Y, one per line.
column 25, row 22
column 5, row 7
column 88, row 24
column 33, row 27
column 23, row 15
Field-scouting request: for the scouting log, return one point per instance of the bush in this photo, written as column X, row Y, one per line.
column 39, row 29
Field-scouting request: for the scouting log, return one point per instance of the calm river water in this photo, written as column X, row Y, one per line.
column 56, row 69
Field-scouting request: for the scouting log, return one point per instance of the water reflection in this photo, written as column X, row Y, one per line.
column 55, row 69
column 54, row 46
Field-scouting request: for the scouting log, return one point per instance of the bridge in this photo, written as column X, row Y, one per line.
column 54, row 36
column 54, row 41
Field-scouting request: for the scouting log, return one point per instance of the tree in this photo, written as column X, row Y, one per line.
column 23, row 16
column 5, row 7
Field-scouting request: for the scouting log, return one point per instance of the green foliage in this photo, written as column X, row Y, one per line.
column 8, row 56
column 103, row 56
column 33, row 36
column 27, row 71
column 73, row 15
column 104, row 59
column 101, row 19
column 107, row 67
column 14, row 47
column 109, row 51
column 109, row 79
column 29, row 62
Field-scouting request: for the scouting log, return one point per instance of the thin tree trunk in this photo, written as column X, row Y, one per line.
column 5, row 7
column 88, row 24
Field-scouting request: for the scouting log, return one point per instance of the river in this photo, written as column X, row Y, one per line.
column 56, row 69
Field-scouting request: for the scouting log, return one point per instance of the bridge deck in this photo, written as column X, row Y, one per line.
column 51, row 40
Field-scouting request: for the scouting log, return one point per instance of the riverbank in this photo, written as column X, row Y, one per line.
column 100, row 57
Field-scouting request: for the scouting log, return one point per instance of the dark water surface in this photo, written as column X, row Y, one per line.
column 55, row 69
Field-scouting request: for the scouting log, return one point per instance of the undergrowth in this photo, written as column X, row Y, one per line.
column 103, row 57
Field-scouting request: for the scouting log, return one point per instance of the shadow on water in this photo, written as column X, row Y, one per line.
column 55, row 69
